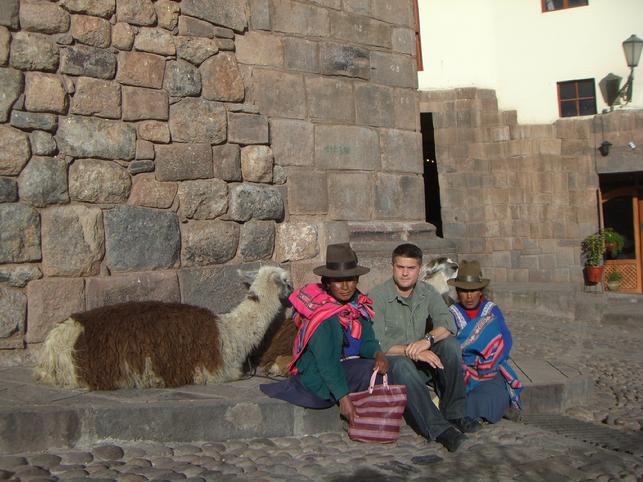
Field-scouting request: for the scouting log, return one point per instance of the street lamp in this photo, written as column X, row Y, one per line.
column 632, row 49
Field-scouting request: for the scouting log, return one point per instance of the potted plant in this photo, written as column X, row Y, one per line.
column 613, row 280
column 613, row 242
column 593, row 249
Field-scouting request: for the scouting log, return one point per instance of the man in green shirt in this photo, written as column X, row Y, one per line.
column 402, row 306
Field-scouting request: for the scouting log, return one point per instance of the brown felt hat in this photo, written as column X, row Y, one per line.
column 341, row 262
column 469, row 276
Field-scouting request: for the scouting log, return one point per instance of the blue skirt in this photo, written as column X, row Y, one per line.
column 488, row 400
column 358, row 373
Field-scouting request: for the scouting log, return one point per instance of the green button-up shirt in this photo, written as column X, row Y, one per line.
column 399, row 320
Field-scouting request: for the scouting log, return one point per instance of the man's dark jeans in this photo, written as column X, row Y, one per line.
column 420, row 412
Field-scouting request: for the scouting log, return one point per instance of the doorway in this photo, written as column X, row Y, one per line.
column 433, row 207
column 623, row 212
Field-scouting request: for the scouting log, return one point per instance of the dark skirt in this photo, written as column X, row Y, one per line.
column 488, row 400
column 358, row 373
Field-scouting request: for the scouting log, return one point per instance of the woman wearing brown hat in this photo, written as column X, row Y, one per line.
column 492, row 385
column 335, row 350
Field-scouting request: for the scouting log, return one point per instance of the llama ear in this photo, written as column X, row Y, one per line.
column 247, row 276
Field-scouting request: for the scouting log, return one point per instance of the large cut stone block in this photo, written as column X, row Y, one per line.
column 208, row 242
column 194, row 27
column 8, row 190
column 12, row 83
column 93, row 31
column 301, row 54
column 405, row 107
column 350, row 196
column 9, row 14
column 247, row 128
column 14, row 151
column 167, row 13
column 141, row 239
column 20, row 233
column 136, row 12
column 13, row 311
column 182, row 79
column 257, row 240
column 399, row 197
column 140, row 69
column 30, row 121
column 101, row 98
column 203, row 199
column 44, row 181
column 227, row 162
column 257, row 163
column 393, row 69
column 198, row 120
column 393, row 11
column 260, row 14
column 219, row 288
column 330, row 99
column 195, row 49
column 221, row 78
column 307, row 192
column 45, row 93
column 51, row 301
column 228, row 13
column 346, row 147
column 155, row 41
column 125, row 287
column 45, row 17
column 279, row 94
column 73, row 240
column 403, row 40
column 142, row 104
column 249, row 201
column 296, row 241
column 32, row 51
column 148, row 192
column 123, row 36
column 359, row 29
column 97, row 8
column 401, row 151
column 102, row 182
column 374, row 105
column 260, row 48
column 18, row 275
column 292, row 142
column 346, row 60
column 88, row 61
column 80, row 136
column 5, row 40
column 178, row 162
column 293, row 17
column 154, row 131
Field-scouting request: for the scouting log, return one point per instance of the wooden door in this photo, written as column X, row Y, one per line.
column 623, row 211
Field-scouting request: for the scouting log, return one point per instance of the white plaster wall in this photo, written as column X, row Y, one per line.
column 513, row 47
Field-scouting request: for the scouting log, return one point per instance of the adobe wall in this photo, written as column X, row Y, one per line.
column 150, row 148
column 520, row 198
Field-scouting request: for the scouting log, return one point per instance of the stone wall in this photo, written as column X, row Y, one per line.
column 150, row 148
column 520, row 198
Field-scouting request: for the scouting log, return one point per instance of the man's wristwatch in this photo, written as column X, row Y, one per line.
column 430, row 338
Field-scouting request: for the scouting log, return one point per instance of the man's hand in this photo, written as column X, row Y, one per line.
column 347, row 409
column 414, row 349
column 431, row 358
column 381, row 363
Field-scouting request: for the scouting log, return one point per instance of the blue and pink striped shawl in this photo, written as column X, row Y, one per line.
column 486, row 342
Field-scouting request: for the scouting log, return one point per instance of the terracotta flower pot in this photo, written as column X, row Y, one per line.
column 593, row 274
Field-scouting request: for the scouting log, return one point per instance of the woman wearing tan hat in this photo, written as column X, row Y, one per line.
column 492, row 385
column 335, row 350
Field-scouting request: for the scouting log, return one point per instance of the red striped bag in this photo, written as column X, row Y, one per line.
column 379, row 410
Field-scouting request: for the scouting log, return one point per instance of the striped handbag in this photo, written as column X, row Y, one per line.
column 379, row 412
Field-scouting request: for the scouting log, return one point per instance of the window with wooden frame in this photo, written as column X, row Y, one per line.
column 418, row 43
column 552, row 5
column 577, row 97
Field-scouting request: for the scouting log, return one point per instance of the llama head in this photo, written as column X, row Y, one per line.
column 438, row 271
column 268, row 281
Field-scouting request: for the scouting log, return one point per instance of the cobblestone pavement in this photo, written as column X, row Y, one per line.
column 505, row 451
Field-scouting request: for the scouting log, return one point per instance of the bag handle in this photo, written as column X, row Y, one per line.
column 371, row 385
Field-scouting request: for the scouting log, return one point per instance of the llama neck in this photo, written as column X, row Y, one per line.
column 243, row 328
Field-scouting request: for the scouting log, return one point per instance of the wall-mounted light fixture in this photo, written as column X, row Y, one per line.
column 632, row 48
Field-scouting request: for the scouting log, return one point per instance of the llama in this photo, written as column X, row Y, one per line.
column 437, row 272
column 156, row 344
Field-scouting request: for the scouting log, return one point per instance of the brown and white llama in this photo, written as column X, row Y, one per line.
column 156, row 344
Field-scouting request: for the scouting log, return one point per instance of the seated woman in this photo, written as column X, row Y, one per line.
column 492, row 385
column 335, row 350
